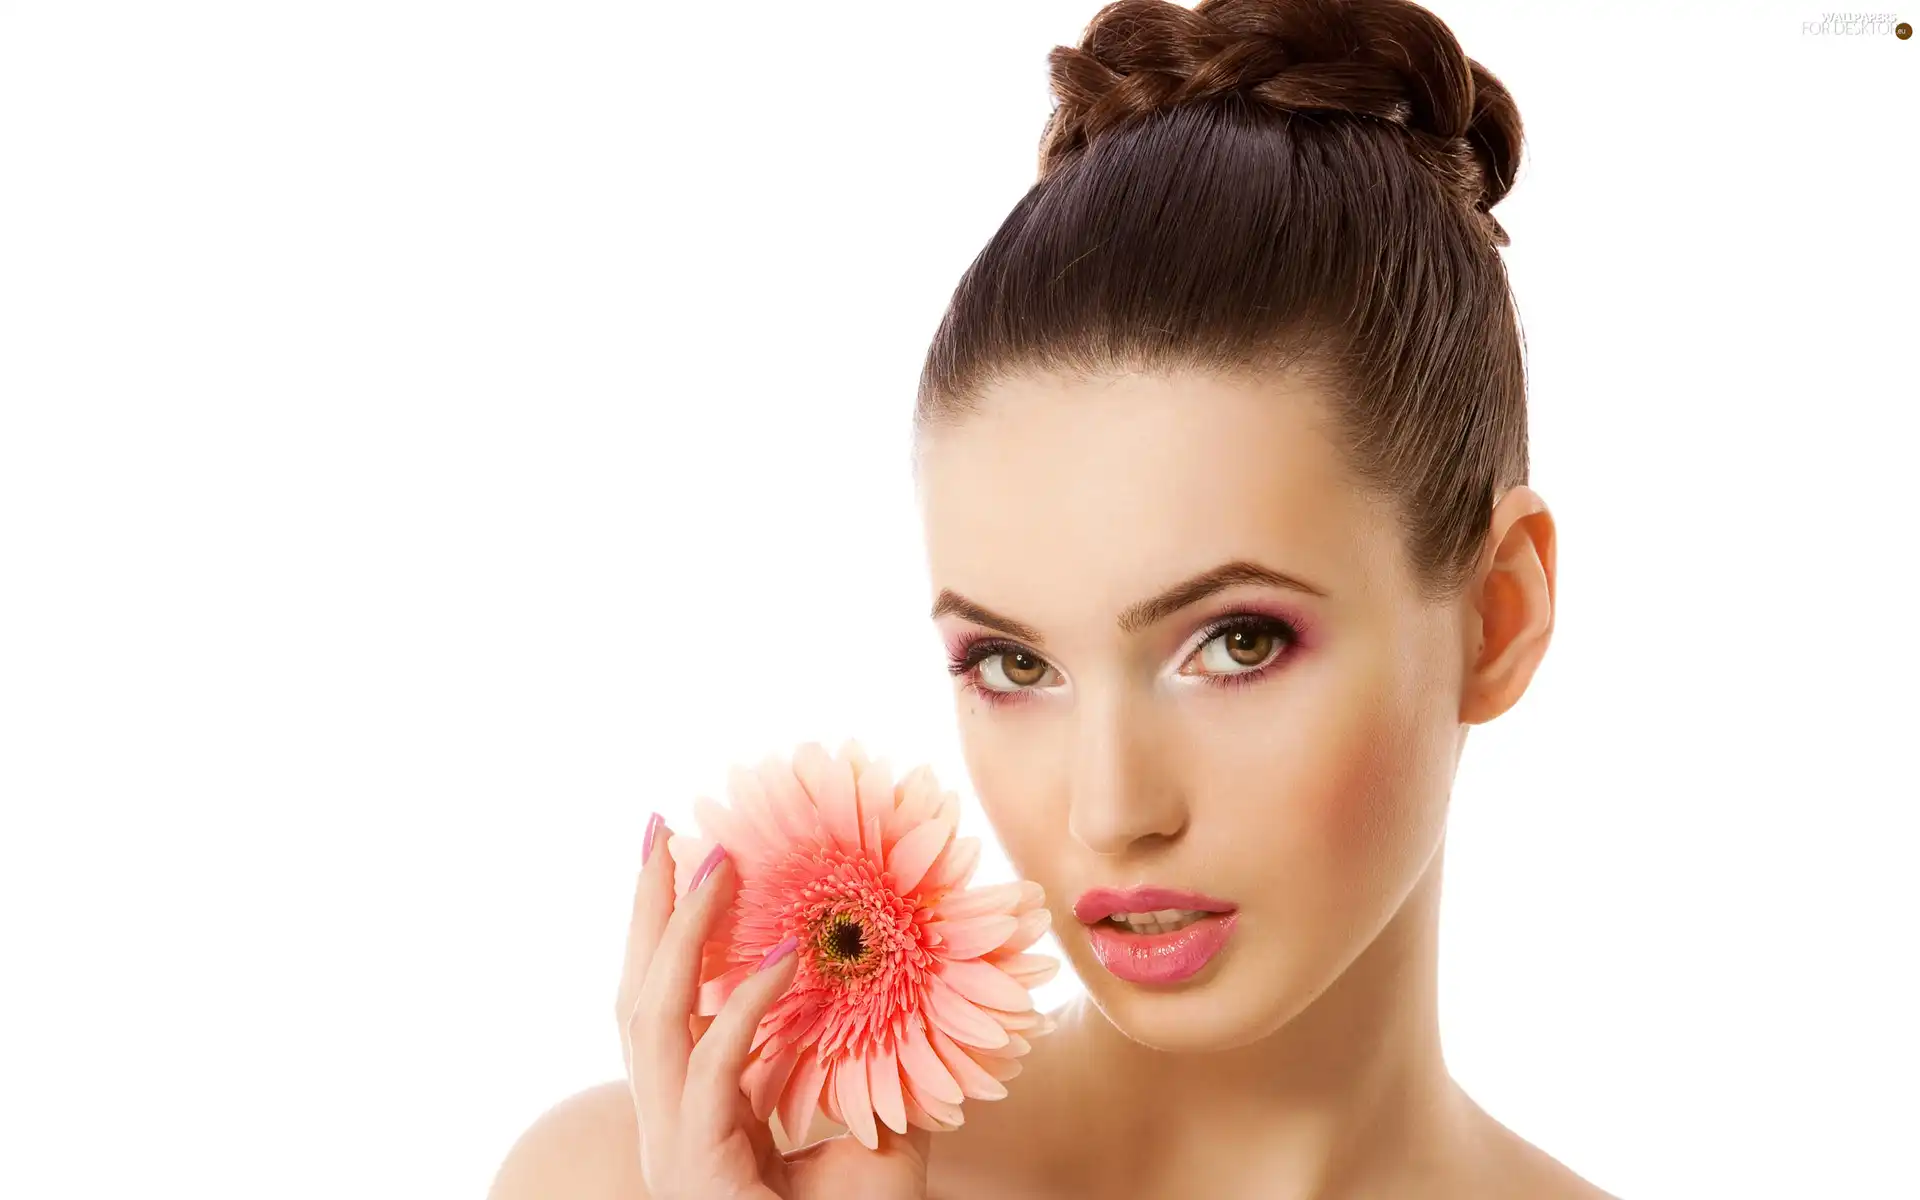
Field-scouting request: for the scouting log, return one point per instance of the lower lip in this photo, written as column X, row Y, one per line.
column 1160, row 957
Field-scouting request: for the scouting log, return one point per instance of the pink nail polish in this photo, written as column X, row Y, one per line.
column 654, row 823
column 779, row 952
column 707, row 865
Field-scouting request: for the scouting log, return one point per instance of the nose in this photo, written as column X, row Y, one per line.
column 1121, row 784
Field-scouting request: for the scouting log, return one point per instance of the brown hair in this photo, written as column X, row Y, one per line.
column 1263, row 185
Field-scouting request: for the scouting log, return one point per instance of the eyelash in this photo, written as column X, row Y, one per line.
column 969, row 654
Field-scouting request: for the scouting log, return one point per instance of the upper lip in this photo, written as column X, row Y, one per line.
column 1100, row 903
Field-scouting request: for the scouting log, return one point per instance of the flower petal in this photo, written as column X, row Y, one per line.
column 1033, row 924
column 1002, row 1069
column 916, row 797
column 996, row 899
column 973, row 937
column 984, row 984
column 1028, row 970
column 974, row 1080
column 920, row 1117
column 953, row 866
column 801, row 1099
column 842, row 803
column 787, row 1020
column 883, row 1085
column 749, row 797
column 830, row 782
column 873, row 790
column 731, row 829
column 830, row 1102
column 856, row 1103
column 921, row 1066
column 714, row 992
column 853, row 754
column 1015, row 1047
column 916, row 852
column 788, row 800
column 961, row 1018
column 1033, row 1024
column 949, row 1115
column 765, row 1079
column 802, row 1016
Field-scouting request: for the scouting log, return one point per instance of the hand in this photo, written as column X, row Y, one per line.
column 698, row 1136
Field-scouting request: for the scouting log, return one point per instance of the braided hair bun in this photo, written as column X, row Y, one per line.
column 1377, row 60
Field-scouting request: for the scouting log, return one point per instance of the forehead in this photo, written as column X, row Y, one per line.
column 1059, row 494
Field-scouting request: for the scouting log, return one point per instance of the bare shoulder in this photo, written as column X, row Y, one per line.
column 1537, row 1175
column 587, row 1147
column 1519, row 1169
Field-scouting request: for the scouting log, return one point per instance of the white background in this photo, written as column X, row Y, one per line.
column 436, row 434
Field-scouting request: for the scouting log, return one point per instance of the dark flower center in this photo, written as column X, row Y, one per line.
column 842, row 940
column 845, row 940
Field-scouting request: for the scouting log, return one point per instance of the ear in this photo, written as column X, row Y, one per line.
column 1509, row 619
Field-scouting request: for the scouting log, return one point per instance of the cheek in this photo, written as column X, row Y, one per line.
column 1383, row 774
column 1368, row 817
column 1011, row 786
column 1344, row 766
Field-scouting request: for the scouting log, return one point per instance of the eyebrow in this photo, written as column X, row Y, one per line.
column 1143, row 614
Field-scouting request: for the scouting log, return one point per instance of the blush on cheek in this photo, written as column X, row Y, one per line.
column 1361, row 784
column 1383, row 820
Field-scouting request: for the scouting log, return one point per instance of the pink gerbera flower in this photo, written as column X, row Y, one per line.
column 913, row 990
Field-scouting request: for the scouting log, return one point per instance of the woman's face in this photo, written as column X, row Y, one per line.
column 1295, row 763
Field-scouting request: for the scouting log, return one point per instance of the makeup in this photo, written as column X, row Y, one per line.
column 968, row 654
column 654, row 824
column 706, row 867
column 1152, row 935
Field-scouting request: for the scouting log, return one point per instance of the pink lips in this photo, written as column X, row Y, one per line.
column 1154, row 957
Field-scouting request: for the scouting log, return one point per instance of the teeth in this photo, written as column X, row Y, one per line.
column 1164, row 920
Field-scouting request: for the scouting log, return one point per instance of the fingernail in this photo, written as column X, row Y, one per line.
column 779, row 952
column 654, row 823
column 707, row 865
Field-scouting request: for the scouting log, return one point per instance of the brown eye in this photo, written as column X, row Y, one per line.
column 1023, row 669
column 1241, row 648
column 1012, row 671
column 1249, row 647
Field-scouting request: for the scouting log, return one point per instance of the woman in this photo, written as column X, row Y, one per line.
column 1222, row 456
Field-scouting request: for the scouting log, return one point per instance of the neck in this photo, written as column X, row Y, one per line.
column 1350, row 1094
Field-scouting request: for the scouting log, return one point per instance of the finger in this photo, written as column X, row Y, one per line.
column 908, row 1153
column 697, row 1028
column 652, row 903
column 717, row 1061
column 662, row 1039
column 766, row 1152
column 918, row 1144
